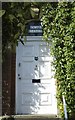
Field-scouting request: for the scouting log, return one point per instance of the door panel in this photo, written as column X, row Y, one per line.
column 44, row 69
column 44, row 50
column 27, row 69
column 28, row 50
column 28, row 99
column 45, row 99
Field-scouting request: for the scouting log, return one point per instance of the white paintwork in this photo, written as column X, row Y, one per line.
column 35, row 98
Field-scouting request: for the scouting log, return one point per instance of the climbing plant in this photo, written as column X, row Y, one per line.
column 58, row 23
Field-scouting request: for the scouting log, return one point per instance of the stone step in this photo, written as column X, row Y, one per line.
column 36, row 117
column 42, row 118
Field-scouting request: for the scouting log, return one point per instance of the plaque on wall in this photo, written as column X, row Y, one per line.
column 34, row 28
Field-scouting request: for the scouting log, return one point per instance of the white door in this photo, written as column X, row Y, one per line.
column 36, row 92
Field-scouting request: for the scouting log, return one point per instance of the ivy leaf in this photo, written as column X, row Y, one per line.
column 2, row 12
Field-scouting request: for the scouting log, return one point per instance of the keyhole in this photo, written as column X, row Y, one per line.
column 36, row 67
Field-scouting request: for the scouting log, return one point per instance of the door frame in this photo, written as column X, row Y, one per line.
column 28, row 39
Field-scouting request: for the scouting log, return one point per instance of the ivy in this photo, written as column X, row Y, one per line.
column 58, row 21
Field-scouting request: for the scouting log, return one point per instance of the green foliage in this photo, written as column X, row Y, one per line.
column 58, row 22
column 14, row 22
column 2, row 12
column 15, row 17
column 7, row 118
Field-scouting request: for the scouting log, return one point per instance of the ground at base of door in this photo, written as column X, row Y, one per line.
column 31, row 117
